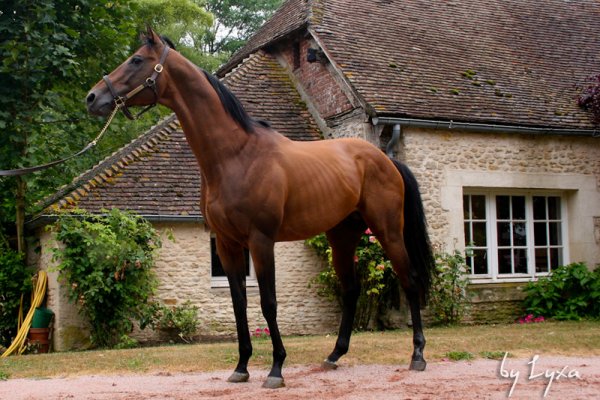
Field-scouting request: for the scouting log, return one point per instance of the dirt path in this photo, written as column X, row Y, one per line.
column 480, row 379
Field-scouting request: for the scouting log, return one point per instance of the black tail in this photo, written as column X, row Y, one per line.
column 416, row 238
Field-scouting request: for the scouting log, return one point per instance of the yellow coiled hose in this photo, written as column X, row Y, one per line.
column 39, row 292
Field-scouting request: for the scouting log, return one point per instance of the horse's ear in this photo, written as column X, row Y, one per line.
column 150, row 36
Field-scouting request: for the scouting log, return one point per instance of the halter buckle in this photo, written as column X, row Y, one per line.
column 120, row 101
column 158, row 68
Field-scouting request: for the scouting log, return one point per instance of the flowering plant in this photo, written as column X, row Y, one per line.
column 590, row 97
column 530, row 318
column 379, row 287
column 261, row 333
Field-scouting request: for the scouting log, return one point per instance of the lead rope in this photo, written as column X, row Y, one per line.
column 24, row 171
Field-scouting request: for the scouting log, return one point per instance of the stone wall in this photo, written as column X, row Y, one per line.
column 446, row 162
column 495, row 303
column 70, row 331
column 183, row 269
column 184, row 273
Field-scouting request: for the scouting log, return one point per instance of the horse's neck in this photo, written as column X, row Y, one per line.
column 214, row 137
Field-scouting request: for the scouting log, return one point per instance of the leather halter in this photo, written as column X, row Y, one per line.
column 150, row 82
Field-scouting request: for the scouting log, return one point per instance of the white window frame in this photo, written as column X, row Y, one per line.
column 492, row 239
column 222, row 281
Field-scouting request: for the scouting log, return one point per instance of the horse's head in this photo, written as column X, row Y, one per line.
column 133, row 83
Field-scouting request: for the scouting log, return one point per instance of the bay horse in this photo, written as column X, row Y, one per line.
column 260, row 187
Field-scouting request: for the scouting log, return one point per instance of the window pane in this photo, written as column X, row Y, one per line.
column 504, row 233
column 555, row 258
column 541, row 260
column 519, row 234
column 539, row 234
column 502, row 207
column 215, row 261
column 539, row 207
column 554, row 207
column 468, row 233
column 480, row 262
column 478, row 207
column 518, row 207
column 504, row 261
column 466, row 207
column 520, row 261
column 479, row 234
column 555, row 236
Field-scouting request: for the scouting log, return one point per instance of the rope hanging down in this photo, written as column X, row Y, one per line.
column 24, row 171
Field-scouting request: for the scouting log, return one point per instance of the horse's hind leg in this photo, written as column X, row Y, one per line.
column 417, row 362
column 343, row 240
column 395, row 249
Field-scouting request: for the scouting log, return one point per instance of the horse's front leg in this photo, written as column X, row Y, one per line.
column 233, row 261
column 262, row 251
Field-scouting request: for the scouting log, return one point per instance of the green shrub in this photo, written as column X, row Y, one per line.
column 106, row 263
column 448, row 297
column 181, row 320
column 15, row 280
column 569, row 292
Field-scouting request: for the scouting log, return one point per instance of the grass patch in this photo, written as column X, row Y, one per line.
column 460, row 355
column 494, row 355
column 391, row 347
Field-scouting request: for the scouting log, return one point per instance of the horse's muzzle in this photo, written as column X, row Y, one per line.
column 99, row 103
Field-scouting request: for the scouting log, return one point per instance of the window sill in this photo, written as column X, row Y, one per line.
column 505, row 279
column 222, row 282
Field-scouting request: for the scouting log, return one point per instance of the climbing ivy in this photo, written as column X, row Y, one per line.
column 106, row 263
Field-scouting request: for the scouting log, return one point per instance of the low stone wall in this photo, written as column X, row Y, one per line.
column 494, row 303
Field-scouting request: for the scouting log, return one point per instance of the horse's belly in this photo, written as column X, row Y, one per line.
column 312, row 219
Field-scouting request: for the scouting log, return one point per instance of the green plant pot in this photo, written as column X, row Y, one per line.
column 41, row 317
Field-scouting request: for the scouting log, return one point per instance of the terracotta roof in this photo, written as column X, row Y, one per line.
column 290, row 17
column 515, row 62
column 157, row 174
column 267, row 92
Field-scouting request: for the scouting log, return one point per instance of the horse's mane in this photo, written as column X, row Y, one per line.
column 232, row 104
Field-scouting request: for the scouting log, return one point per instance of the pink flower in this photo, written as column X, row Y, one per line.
column 267, row 332
column 380, row 267
column 372, row 239
column 368, row 232
column 355, row 259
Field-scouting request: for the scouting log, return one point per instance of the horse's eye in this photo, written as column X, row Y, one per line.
column 137, row 60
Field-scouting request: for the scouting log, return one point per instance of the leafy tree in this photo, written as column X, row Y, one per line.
column 235, row 21
column 15, row 281
column 183, row 21
column 51, row 53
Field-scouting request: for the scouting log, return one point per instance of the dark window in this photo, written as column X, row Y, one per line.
column 215, row 262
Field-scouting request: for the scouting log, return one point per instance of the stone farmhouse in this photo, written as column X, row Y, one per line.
column 478, row 98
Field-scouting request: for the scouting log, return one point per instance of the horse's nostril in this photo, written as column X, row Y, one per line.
column 91, row 97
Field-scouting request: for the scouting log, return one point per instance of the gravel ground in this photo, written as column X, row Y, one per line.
column 558, row 377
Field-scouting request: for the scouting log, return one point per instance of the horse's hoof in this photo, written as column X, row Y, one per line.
column 273, row 382
column 239, row 377
column 329, row 365
column 418, row 365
